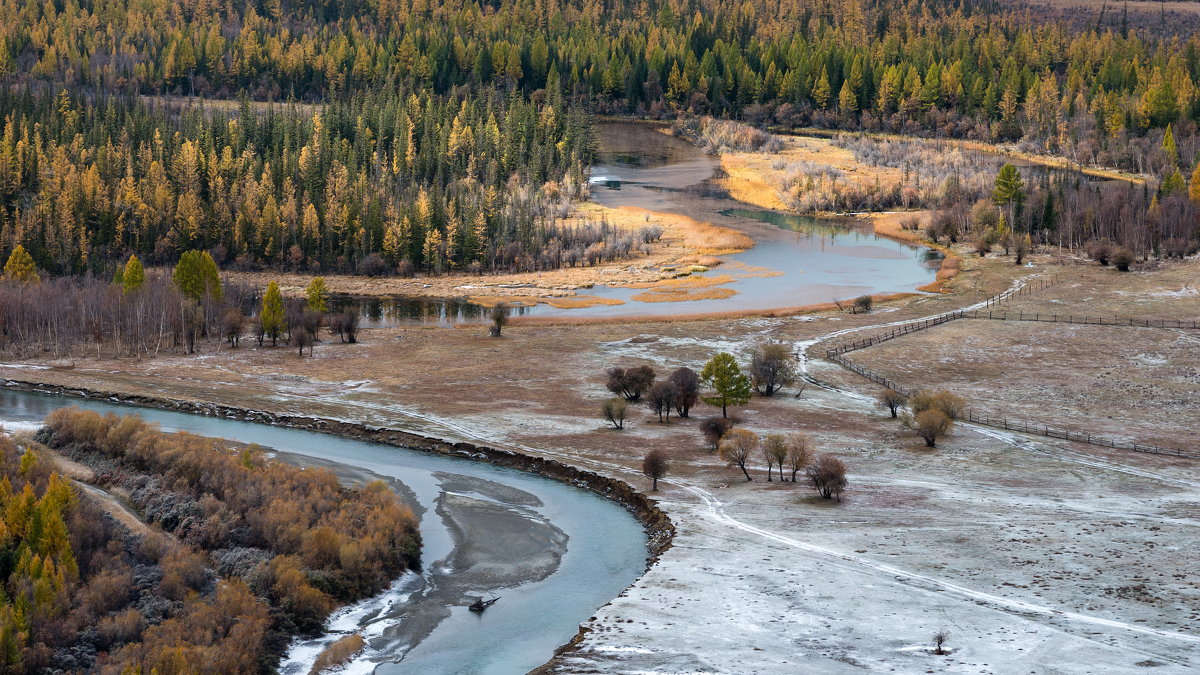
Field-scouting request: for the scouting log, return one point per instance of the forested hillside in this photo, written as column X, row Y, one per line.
column 447, row 134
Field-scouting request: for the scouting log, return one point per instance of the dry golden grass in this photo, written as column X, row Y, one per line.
column 682, row 283
column 567, row 302
column 700, row 238
column 684, row 294
column 337, row 654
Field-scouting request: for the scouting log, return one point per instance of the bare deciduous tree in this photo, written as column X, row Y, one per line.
column 661, row 399
column 655, row 465
column 828, row 476
column 892, row 400
column 614, row 410
column 774, row 451
column 799, row 454
column 630, row 382
column 714, row 429
column 232, row 324
column 771, row 367
column 499, row 317
column 738, row 447
column 687, row 390
column 939, row 642
column 863, row 303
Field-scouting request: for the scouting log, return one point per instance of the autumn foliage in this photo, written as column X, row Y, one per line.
column 245, row 551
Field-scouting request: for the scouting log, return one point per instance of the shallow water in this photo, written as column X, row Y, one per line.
column 605, row 551
column 818, row 260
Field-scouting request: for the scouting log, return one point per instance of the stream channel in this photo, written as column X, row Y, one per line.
column 809, row 260
column 554, row 553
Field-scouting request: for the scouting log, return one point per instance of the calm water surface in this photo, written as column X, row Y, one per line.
column 606, row 550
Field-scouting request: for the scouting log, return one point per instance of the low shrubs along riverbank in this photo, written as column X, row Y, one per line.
column 252, row 551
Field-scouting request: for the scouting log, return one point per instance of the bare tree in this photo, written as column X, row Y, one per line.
column 714, row 429
column 863, row 303
column 799, row 454
column 499, row 317
column 304, row 339
column 614, row 410
column 232, row 323
column 774, row 451
column 687, row 390
column 738, row 447
column 655, row 465
column 630, row 383
column 939, row 641
column 892, row 400
column 771, row 367
column 828, row 476
column 661, row 399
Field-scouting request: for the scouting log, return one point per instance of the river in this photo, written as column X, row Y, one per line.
column 811, row 260
column 552, row 552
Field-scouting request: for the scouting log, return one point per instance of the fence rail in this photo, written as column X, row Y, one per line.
column 838, row 355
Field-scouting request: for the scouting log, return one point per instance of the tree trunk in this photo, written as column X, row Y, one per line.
column 655, row 488
column 743, row 468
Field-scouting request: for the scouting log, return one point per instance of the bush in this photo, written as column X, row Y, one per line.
column 614, row 410
column 714, row 429
column 863, row 303
column 1122, row 258
column 828, row 476
column 372, row 265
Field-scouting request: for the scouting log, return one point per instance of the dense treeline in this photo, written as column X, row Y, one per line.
column 972, row 61
column 254, row 551
column 429, row 181
column 449, row 136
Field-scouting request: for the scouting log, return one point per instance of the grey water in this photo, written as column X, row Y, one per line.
column 606, row 547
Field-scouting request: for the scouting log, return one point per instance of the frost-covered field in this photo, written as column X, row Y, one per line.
column 1035, row 556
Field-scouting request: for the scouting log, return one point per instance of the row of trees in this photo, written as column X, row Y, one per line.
column 771, row 369
column 252, row 551
column 141, row 314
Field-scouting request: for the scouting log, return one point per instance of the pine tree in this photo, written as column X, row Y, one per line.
column 271, row 314
column 1194, row 188
column 133, row 276
column 821, row 90
column 20, row 267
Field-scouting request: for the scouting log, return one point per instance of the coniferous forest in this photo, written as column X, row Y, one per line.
column 397, row 135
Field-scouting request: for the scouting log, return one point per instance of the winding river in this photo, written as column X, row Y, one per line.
column 806, row 260
column 552, row 552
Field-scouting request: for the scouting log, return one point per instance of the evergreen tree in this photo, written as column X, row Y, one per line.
column 271, row 314
column 722, row 374
column 133, row 276
column 1169, row 147
column 316, row 295
column 20, row 266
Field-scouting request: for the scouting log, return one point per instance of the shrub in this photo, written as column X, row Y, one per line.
column 1122, row 258
column 828, row 476
column 714, row 429
column 863, row 303
column 655, row 465
column 950, row 405
column 372, row 265
column 614, row 410
column 630, row 383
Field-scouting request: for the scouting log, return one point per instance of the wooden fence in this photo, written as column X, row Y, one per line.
column 838, row 355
